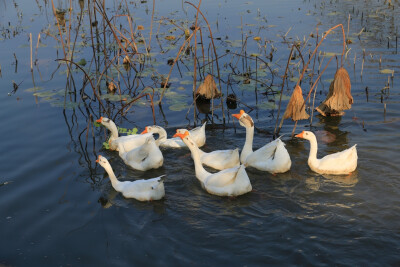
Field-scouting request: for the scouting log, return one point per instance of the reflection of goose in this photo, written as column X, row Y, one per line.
column 316, row 182
column 218, row 159
column 345, row 181
column 343, row 162
column 273, row 157
column 142, row 190
column 228, row 182
column 198, row 135
column 145, row 157
column 123, row 143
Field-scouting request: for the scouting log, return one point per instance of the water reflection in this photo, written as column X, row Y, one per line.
column 315, row 182
column 333, row 136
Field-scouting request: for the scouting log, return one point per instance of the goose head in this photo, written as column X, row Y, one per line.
column 182, row 131
column 102, row 161
column 185, row 136
column 151, row 129
column 244, row 119
column 306, row 135
column 105, row 121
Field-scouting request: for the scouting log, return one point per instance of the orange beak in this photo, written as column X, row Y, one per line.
column 145, row 131
column 99, row 120
column 181, row 135
column 97, row 160
column 300, row 135
column 237, row 116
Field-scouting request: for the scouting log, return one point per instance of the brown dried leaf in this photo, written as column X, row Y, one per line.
column 170, row 37
column 296, row 109
column 208, row 89
column 339, row 97
column 126, row 60
column 111, row 87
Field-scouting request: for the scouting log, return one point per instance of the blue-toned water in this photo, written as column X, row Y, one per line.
column 58, row 207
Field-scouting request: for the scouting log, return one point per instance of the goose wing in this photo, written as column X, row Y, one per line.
column 222, row 178
column 263, row 153
column 341, row 158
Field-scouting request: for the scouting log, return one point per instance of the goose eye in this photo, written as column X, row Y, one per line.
column 107, row 121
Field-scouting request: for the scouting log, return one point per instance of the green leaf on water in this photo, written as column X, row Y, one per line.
column 189, row 73
column 111, row 97
column 261, row 73
column 387, row 71
column 106, row 145
column 330, row 54
column 266, row 105
column 247, row 87
column 178, row 107
column 284, row 97
column 133, row 131
column 328, row 80
column 236, row 43
column 82, row 62
column 333, row 13
column 68, row 105
column 45, row 94
column 34, row 89
column 122, row 130
column 186, row 82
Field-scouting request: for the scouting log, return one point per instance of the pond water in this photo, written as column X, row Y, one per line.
column 59, row 208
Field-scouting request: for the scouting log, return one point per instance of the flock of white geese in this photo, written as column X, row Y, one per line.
column 142, row 152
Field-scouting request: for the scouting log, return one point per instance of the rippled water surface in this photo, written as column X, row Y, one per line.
column 58, row 207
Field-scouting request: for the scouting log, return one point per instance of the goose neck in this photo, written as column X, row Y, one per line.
column 162, row 136
column 201, row 173
column 313, row 149
column 114, row 131
column 114, row 181
column 248, row 144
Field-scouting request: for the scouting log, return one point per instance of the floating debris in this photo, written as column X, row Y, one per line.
column 126, row 60
column 339, row 97
column 170, row 37
column 5, row 183
column 231, row 101
column 60, row 15
column 111, row 87
column 187, row 33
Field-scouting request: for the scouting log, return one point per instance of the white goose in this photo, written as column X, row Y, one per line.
column 218, row 159
column 273, row 157
column 142, row 190
column 229, row 182
column 343, row 162
column 125, row 143
column 145, row 157
column 198, row 135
